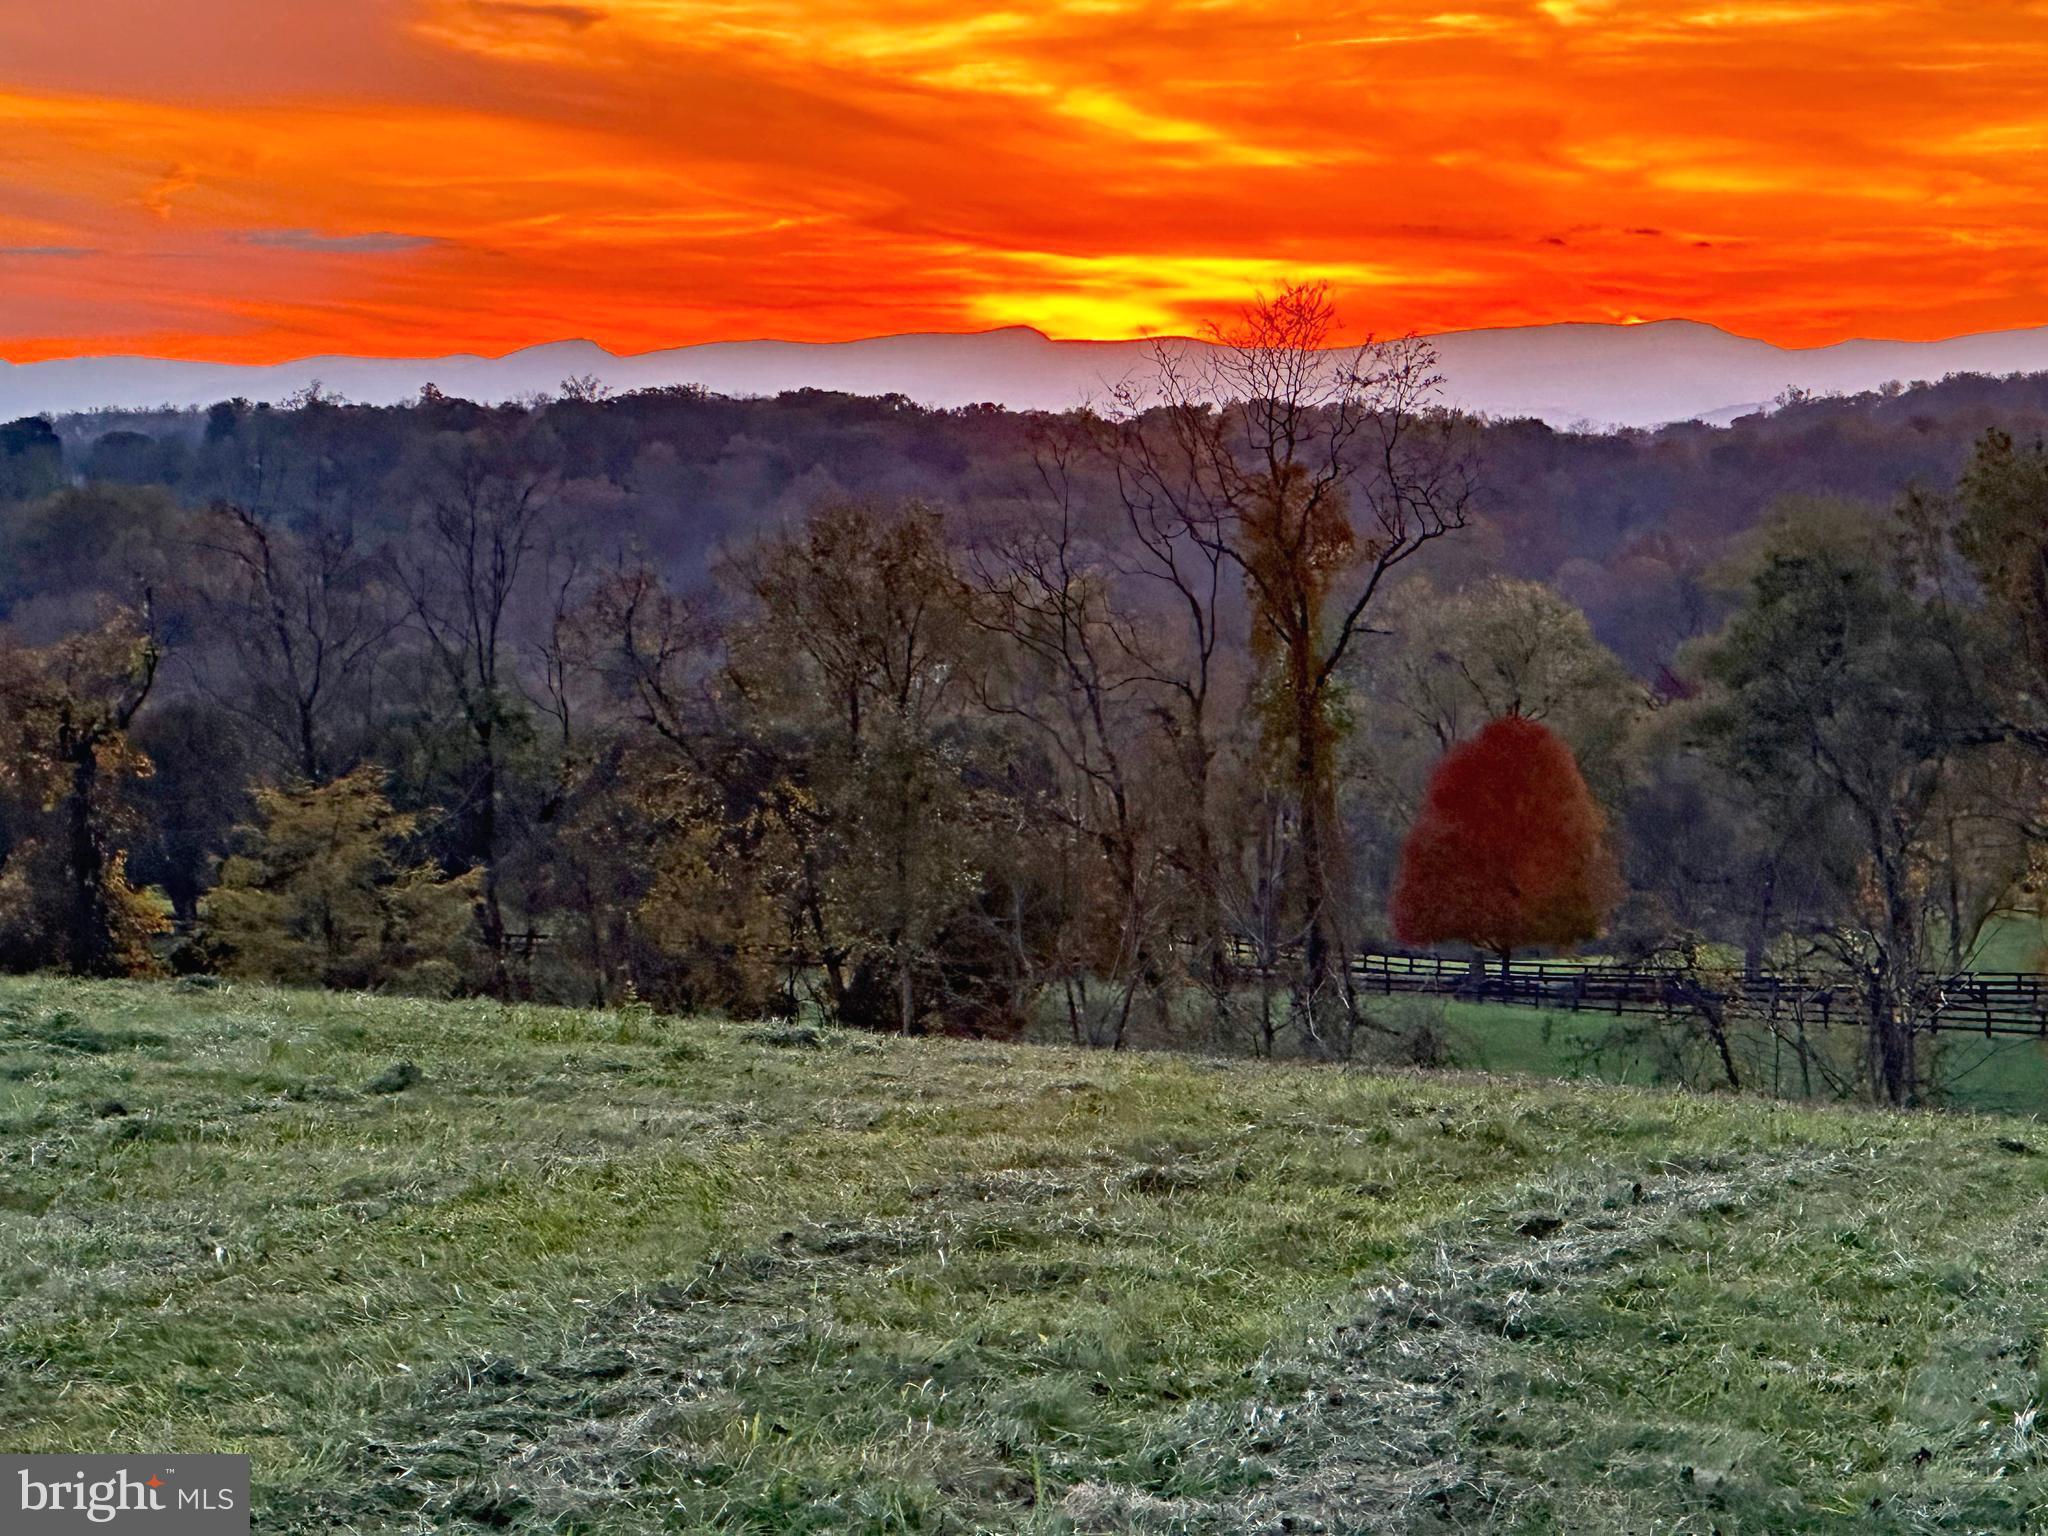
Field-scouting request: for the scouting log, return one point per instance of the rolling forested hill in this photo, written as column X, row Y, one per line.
column 1629, row 525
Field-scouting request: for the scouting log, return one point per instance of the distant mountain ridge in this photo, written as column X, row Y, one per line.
column 1568, row 374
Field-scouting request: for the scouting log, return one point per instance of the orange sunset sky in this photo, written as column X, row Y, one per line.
column 252, row 180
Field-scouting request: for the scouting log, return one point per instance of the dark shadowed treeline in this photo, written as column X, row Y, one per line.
column 980, row 721
column 1626, row 524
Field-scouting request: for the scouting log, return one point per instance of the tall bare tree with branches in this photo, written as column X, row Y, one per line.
column 305, row 619
column 1081, row 680
column 1313, row 471
column 485, row 500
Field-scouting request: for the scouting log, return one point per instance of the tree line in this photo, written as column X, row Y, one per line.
column 1228, row 665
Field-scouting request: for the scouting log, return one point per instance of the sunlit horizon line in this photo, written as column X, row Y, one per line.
column 290, row 359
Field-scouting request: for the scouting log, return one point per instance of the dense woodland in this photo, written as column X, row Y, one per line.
column 1133, row 722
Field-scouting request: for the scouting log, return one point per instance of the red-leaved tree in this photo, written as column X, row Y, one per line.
column 1509, row 849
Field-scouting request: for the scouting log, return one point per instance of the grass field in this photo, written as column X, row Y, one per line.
column 603, row 1272
column 2007, row 1075
column 2011, row 943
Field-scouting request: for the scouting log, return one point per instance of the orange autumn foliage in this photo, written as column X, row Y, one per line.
column 1509, row 849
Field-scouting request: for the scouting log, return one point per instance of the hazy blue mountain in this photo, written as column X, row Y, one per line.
column 1572, row 374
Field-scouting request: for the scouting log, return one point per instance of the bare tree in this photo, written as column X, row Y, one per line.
column 485, row 499
column 1176, row 560
column 303, row 616
column 1077, row 675
column 653, row 649
column 1315, row 472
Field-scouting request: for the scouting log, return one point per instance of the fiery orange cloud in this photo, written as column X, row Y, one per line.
column 240, row 180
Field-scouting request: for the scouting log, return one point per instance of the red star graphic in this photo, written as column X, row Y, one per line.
column 155, row 1481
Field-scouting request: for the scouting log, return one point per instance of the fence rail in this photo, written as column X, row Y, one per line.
column 1980, row 1002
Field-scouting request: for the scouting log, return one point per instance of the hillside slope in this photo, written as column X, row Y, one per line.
column 604, row 1272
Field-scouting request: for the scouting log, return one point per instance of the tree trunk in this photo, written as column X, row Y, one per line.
column 1020, row 962
column 1128, row 994
column 1209, row 925
column 309, row 743
column 1897, row 1004
column 1894, row 1041
column 89, row 944
column 1267, row 913
column 1757, row 941
column 491, row 911
column 1717, row 1028
column 593, row 922
column 1310, row 794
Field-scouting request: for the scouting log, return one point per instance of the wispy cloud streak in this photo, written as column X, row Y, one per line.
column 429, row 174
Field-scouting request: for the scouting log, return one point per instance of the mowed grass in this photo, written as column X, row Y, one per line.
column 2006, row 1074
column 605, row 1272
column 2011, row 942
